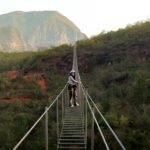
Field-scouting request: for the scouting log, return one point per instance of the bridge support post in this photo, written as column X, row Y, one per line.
column 92, row 134
column 57, row 119
column 85, row 103
column 62, row 106
column 65, row 99
column 46, row 129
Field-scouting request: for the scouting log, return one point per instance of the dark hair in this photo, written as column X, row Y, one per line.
column 72, row 75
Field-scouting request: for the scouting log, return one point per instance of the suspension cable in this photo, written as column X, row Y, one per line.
column 114, row 134
column 100, row 131
column 38, row 120
column 110, row 128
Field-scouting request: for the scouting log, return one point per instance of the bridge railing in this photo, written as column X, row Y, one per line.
column 61, row 103
column 89, row 104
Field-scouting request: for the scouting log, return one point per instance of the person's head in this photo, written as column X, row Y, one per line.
column 72, row 73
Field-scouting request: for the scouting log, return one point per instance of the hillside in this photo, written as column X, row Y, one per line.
column 114, row 67
column 36, row 30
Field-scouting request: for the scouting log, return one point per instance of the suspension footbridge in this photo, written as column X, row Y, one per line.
column 72, row 123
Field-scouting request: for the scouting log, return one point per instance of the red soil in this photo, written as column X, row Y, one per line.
column 15, row 99
column 42, row 84
column 32, row 74
column 41, row 80
column 11, row 74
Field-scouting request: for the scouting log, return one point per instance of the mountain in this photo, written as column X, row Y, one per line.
column 115, row 69
column 36, row 30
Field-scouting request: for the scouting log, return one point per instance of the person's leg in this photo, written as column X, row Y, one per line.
column 70, row 95
column 72, row 98
column 75, row 97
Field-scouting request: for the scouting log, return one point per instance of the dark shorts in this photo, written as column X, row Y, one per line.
column 70, row 87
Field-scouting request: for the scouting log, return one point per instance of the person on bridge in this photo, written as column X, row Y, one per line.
column 72, row 87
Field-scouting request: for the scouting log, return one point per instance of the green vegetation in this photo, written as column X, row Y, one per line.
column 118, row 77
column 114, row 66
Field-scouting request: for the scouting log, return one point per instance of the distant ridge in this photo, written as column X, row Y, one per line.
column 36, row 30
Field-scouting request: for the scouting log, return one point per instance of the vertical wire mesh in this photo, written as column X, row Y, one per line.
column 62, row 106
column 57, row 120
column 75, row 67
column 46, row 129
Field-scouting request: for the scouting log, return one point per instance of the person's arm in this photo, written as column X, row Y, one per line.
column 73, row 79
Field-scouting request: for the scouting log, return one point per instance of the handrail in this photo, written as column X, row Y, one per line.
column 114, row 134
column 39, row 119
column 106, row 122
column 88, row 101
column 100, row 131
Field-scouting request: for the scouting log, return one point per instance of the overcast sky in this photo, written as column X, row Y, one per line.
column 91, row 16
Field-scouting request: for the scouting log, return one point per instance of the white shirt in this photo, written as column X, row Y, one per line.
column 72, row 81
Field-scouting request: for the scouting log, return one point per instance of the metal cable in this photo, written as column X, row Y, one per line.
column 114, row 134
column 38, row 120
column 100, row 131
